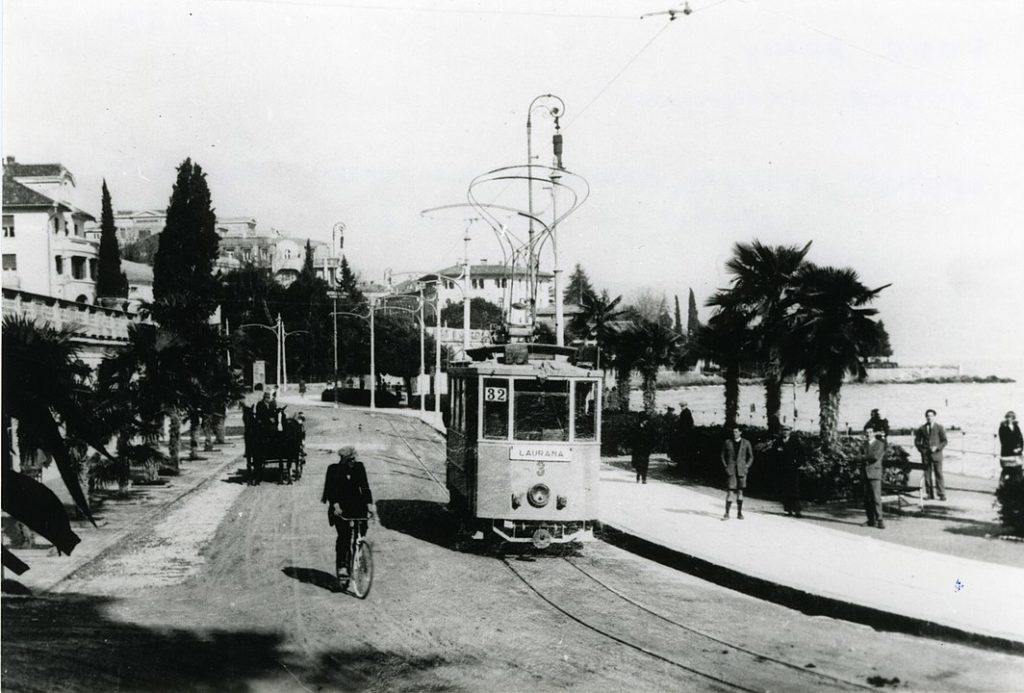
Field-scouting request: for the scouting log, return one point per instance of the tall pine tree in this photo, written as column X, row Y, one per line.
column 679, row 318
column 184, row 286
column 579, row 290
column 692, row 323
column 111, row 282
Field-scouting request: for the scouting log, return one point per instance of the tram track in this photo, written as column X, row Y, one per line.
column 662, row 638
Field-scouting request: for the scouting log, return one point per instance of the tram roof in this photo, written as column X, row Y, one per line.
column 543, row 360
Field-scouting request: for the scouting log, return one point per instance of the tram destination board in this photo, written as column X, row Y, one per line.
column 541, row 453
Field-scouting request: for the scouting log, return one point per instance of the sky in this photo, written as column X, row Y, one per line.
column 889, row 134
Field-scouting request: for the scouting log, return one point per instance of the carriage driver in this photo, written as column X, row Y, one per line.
column 347, row 493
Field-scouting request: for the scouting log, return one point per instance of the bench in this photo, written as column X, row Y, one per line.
column 908, row 494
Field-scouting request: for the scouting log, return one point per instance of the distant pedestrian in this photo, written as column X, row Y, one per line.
column 929, row 440
column 737, row 458
column 789, row 457
column 302, row 388
column 877, row 423
column 871, row 474
column 1011, row 447
column 642, row 445
column 681, row 436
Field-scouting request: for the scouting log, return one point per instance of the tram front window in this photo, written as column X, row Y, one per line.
column 541, row 410
column 586, row 410
column 495, row 408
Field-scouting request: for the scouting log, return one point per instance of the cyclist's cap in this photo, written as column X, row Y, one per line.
column 347, row 452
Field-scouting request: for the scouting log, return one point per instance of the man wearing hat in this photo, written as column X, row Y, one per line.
column 347, row 494
column 789, row 457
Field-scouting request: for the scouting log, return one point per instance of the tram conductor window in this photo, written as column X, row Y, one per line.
column 541, row 410
column 586, row 410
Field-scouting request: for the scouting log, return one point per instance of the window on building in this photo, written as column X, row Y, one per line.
column 496, row 399
column 58, row 265
column 10, row 262
column 503, row 282
column 541, row 410
column 8, row 226
column 78, row 267
column 93, row 263
column 56, row 224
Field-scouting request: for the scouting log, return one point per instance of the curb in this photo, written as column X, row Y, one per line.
column 798, row 599
column 141, row 526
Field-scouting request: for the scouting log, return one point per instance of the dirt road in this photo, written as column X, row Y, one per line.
column 233, row 591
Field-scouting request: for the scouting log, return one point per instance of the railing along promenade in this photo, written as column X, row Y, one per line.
column 97, row 328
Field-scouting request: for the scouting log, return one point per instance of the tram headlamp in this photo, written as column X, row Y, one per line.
column 561, row 502
column 539, row 495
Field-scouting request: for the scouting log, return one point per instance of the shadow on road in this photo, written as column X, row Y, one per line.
column 426, row 520
column 312, row 576
column 71, row 642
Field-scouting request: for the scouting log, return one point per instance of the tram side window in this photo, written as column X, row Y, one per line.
column 586, row 410
column 496, row 408
column 541, row 410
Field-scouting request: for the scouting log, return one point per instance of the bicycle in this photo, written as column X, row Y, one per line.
column 360, row 560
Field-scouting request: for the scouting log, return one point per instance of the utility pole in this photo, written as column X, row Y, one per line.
column 373, row 362
column 437, row 347
column 423, row 356
column 465, row 297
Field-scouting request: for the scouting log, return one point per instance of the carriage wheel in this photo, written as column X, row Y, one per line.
column 362, row 570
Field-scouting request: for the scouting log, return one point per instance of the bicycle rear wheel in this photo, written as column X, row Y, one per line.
column 362, row 570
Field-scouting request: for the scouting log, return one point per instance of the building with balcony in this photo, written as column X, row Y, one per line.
column 499, row 284
column 45, row 247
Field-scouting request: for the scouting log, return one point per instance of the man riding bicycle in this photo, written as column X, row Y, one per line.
column 347, row 494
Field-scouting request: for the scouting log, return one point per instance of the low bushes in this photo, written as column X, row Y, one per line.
column 826, row 475
column 361, row 398
column 1010, row 495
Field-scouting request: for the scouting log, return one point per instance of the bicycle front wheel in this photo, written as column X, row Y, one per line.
column 362, row 570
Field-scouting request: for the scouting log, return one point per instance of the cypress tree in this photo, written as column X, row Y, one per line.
column 111, row 282
column 184, row 286
column 679, row 318
column 308, row 271
column 692, row 323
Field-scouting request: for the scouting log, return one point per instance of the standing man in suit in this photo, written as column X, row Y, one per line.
column 929, row 440
column 789, row 457
column 874, row 454
column 737, row 458
column 347, row 494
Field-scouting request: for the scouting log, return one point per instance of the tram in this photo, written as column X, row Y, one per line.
column 524, row 444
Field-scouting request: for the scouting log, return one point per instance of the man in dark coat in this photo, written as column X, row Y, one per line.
column 737, row 458
column 347, row 494
column 681, row 436
column 929, row 440
column 642, row 445
column 790, row 457
column 871, row 473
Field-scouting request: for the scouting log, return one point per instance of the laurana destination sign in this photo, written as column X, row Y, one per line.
column 540, row 453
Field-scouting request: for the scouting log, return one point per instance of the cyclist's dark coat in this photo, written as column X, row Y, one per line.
column 348, row 488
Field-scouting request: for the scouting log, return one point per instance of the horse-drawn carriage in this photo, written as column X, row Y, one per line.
column 272, row 437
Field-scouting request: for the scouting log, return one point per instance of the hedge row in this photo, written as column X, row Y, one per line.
column 825, row 475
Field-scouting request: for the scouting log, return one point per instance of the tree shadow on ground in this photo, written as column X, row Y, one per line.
column 69, row 642
column 312, row 576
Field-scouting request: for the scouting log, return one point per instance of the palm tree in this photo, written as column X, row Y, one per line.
column 600, row 320
column 726, row 340
column 45, row 392
column 832, row 333
column 654, row 345
column 764, row 287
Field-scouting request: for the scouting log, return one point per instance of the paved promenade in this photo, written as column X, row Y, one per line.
column 835, row 571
